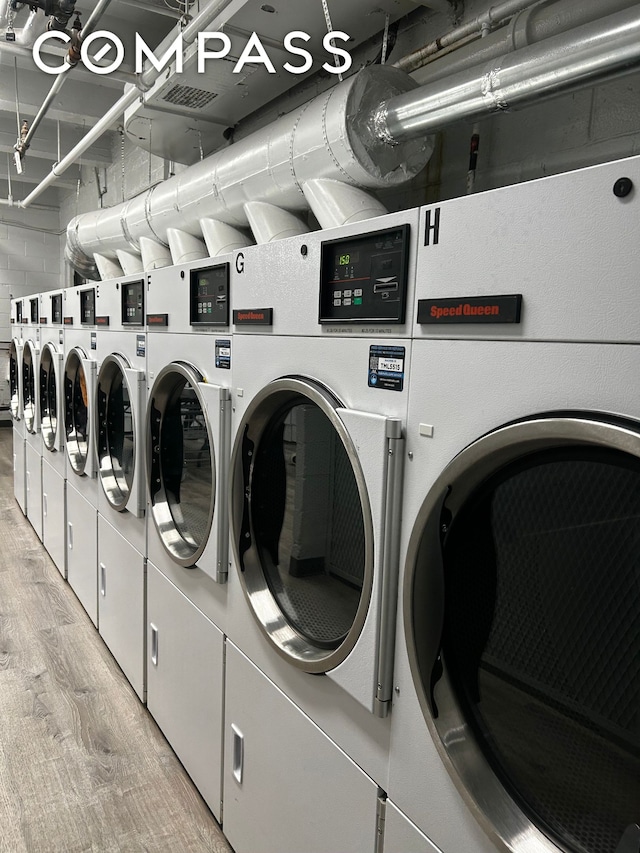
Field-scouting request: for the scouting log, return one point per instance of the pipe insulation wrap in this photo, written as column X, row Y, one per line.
column 592, row 52
column 331, row 137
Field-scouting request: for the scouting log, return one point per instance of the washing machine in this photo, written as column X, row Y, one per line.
column 81, row 497
column 51, row 413
column 516, row 722
column 321, row 367
column 31, row 410
column 120, row 406
column 187, row 439
column 16, row 405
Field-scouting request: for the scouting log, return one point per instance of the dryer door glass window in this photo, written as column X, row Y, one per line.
column 303, row 543
column 182, row 469
column 14, row 385
column 48, row 399
column 541, row 638
column 76, row 413
column 116, row 435
column 29, row 388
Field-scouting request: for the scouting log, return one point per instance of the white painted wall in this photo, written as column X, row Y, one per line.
column 30, row 262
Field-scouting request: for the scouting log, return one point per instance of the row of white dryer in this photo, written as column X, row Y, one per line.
column 379, row 584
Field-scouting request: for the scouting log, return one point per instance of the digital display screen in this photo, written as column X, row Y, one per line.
column 18, row 312
column 34, row 310
column 133, row 303
column 209, row 296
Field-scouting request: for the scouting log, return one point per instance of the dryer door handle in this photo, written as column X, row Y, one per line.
column 103, row 580
column 70, row 536
column 154, row 643
column 238, row 753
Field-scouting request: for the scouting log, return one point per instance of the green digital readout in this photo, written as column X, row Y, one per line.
column 344, row 259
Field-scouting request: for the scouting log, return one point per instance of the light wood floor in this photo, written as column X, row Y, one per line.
column 83, row 767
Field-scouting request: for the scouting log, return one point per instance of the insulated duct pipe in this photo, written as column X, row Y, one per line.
column 535, row 24
column 144, row 82
column 328, row 140
column 595, row 51
column 355, row 135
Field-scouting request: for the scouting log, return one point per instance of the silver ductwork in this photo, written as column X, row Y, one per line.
column 369, row 132
column 595, row 51
column 330, row 139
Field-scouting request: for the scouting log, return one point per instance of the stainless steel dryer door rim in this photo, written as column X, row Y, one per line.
column 174, row 529
column 15, row 378
column 51, row 397
column 423, row 604
column 78, row 407
column 116, row 480
column 30, row 368
column 266, row 407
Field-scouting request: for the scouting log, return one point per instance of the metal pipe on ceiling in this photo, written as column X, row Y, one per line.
column 144, row 82
column 61, row 79
column 473, row 28
column 534, row 24
column 593, row 52
column 114, row 77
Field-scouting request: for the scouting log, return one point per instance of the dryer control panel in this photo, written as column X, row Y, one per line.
column 363, row 279
column 56, row 309
column 133, row 303
column 88, row 307
column 209, row 296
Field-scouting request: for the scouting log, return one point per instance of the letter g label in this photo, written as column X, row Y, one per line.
column 240, row 263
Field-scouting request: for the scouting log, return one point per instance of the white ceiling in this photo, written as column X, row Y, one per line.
column 85, row 96
column 83, row 99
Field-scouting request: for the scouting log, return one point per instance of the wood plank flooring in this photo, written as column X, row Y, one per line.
column 83, row 766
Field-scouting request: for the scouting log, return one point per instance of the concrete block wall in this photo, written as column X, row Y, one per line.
column 29, row 260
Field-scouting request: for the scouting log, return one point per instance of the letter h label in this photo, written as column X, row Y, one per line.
column 432, row 229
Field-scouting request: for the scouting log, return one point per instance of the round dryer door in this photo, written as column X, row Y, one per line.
column 522, row 618
column 180, row 463
column 48, row 396
column 116, row 443
column 77, row 411
column 14, row 379
column 29, row 355
column 302, row 528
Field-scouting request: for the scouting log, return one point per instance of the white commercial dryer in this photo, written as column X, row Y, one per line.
column 16, row 404
column 80, row 367
column 187, row 440
column 120, row 405
column 31, row 409
column 321, row 365
column 516, row 721
column 51, row 409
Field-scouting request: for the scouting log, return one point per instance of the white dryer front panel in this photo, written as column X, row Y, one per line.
column 315, row 509
column 187, row 448
column 520, row 598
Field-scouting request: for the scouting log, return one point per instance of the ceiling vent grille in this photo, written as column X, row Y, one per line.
column 189, row 96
